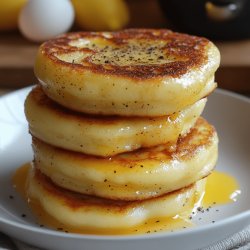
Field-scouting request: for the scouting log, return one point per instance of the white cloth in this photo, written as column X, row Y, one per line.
column 239, row 241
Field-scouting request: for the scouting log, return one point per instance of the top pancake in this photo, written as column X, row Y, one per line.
column 141, row 72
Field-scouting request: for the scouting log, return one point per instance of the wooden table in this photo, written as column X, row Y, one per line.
column 17, row 57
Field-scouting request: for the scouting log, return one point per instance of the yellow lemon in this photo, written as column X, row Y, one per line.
column 9, row 11
column 101, row 14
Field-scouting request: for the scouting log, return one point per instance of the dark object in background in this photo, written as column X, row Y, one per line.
column 216, row 19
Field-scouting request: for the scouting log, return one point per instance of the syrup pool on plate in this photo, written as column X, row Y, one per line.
column 215, row 193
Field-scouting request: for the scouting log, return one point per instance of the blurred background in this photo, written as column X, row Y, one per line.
column 24, row 24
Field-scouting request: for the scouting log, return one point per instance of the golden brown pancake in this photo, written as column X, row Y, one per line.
column 134, row 72
column 137, row 175
column 82, row 211
column 104, row 135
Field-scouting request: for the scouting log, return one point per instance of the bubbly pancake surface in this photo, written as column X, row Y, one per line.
column 104, row 135
column 82, row 211
column 132, row 72
column 137, row 175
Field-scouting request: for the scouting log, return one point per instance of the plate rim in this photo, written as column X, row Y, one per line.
column 199, row 229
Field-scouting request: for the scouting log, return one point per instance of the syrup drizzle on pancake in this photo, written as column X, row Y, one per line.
column 214, row 194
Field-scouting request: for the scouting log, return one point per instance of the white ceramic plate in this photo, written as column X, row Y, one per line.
column 229, row 113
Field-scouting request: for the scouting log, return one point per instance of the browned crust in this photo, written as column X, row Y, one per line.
column 201, row 135
column 74, row 200
column 190, row 48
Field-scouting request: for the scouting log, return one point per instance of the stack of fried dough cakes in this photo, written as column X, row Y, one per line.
column 115, row 120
